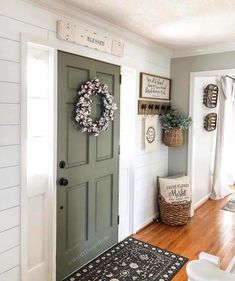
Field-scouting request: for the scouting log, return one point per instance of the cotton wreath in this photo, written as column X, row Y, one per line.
column 83, row 107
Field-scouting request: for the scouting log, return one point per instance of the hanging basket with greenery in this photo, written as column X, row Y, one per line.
column 173, row 125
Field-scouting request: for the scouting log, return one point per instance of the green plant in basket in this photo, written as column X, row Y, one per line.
column 172, row 119
column 173, row 124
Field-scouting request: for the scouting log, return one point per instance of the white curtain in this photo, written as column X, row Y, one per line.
column 224, row 168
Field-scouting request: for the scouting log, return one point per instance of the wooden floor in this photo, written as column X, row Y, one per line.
column 211, row 230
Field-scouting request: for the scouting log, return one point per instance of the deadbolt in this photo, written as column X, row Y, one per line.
column 62, row 164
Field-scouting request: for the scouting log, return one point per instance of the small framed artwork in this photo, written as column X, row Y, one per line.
column 154, row 87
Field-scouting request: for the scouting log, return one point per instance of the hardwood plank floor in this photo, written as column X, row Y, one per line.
column 211, row 230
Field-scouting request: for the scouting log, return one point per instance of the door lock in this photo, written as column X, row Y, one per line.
column 63, row 181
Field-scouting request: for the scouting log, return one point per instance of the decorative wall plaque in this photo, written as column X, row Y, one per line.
column 150, row 136
column 210, row 122
column 210, row 96
column 154, row 87
column 74, row 33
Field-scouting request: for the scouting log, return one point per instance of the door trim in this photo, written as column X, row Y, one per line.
column 191, row 134
column 27, row 271
column 67, row 47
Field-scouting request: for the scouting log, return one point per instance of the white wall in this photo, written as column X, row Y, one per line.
column 17, row 16
column 147, row 167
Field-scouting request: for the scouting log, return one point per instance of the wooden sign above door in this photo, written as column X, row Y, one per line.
column 71, row 32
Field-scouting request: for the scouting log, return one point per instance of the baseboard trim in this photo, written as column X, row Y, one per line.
column 201, row 202
column 146, row 223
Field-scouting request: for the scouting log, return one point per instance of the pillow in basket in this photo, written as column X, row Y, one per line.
column 175, row 190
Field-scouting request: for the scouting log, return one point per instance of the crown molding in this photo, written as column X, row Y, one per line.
column 205, row 50
column 65, row 10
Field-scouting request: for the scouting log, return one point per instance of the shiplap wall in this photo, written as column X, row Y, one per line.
column 10, row 29
column 148, row 166
column 9, row 154
column 17, row 16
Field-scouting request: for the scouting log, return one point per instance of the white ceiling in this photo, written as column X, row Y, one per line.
column 177, row 24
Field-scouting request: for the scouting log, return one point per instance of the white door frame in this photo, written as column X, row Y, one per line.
column 77, row 50
column 191, row 134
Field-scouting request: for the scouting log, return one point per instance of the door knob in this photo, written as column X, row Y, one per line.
column 62, row 164
column 63, row 181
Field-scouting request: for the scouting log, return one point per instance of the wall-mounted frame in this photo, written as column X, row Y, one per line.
column 154, row 87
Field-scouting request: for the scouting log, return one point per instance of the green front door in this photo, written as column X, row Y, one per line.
column 87, row 198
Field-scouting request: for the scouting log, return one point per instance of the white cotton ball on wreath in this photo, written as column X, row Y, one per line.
column 83, row 107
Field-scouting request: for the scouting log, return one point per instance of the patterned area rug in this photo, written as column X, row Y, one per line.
column 131, row 259
column 229, row 206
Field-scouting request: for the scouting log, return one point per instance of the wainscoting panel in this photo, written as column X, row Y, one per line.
column 9, row 50
column 9, row 239
column 9, row 71
column 9, row 156
column 9, row 197
column 9, row 92
column 11, row 28
column 9, row 259
column 12, row 274
column 10, row 176
column 10, row 135
column 9, row 218
column 9, row 114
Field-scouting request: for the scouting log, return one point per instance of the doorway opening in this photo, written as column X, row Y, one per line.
column 38, row 254
column 202, row 144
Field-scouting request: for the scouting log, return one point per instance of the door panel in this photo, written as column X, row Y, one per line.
column 87, row 207
column 77, row 200
column 104, row 145
column 76, row 156
column 103, row 203
column 75, row 75
column 107, row 79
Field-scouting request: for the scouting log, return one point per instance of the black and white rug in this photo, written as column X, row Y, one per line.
column 131, row 259
column 229, row 206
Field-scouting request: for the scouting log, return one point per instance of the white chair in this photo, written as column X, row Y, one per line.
column 207, row 268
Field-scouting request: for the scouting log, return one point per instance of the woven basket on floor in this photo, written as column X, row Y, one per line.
column 173, row 138
column 174, row 214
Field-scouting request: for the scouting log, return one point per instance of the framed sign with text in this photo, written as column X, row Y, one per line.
column 154, row 87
